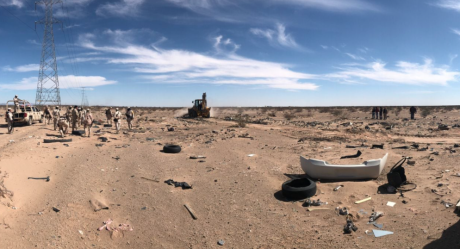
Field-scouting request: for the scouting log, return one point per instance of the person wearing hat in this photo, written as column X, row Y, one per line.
column 68, row 114
column 116, row 119
column 129, row 117
column 63, row 126
column 108, row 115
column 74, row 118
column 56, row 116
column 16, row 103
column 9, row 120
column 88, row 122
column 48, row 115
column 83, row 116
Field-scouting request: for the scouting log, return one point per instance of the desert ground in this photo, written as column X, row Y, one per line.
column 236, row 198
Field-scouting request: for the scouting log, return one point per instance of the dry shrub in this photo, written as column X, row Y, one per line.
column 337, row 112
column 242, row 120
column 289, row 116
column 425, row 112
column 397, row 110
column 272, row 114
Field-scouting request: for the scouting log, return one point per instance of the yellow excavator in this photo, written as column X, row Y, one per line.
column 200, row 108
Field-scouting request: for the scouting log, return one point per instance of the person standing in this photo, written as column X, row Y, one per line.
column 108, row 115
column 381, row 113
column 377, row 111
column 48, row 116
column 412, row 111
column 56, row 117
column 68, row 114
column 116, row 119
column 74, row 118
column 373, row 112
column 9, row 120
column 16, row 103
column 79, row 110
column 130, row 118
column 385, row 113
column 83, row 116
column 88, row 121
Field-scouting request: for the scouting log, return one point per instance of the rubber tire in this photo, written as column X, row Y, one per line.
column 47, row 141
column 193, row 114
column 41, row 120
column 108, row 125
column 30, row 122
column 170, row 148
column 299, row 189
column 78, row 133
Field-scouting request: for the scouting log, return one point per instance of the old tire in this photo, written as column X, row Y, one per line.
column 46, row 141
column 169, row 148
column 107, row 125
column 78, row 133
column 30, row 122
column 299, row 189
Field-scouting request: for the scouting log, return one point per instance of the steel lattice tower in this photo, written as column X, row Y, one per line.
column 48, row 80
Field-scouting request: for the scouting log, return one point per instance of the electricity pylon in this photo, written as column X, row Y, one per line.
column 48, row 80
column 84, row 98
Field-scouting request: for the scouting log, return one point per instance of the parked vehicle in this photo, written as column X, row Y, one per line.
column 27, row 114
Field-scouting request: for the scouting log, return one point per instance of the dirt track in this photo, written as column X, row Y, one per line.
column 236, row 198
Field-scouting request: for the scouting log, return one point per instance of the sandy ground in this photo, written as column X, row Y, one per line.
column 236, row 198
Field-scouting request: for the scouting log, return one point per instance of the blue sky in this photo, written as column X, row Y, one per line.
column 242, row 53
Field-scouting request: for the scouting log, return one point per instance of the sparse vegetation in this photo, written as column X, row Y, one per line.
column 337, row 112
column 242, row 120
column 425, row 112
column 272, row 114
column 289, row 116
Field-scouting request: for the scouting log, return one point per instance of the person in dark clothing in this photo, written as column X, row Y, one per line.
column 381, row 112
column 377, row 111
column 373, row 112
column 385, row 113
column 412, row 110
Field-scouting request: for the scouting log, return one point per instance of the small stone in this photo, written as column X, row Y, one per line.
column 220, row 242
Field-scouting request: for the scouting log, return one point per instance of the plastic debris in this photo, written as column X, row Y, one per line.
column 358, row 154
column 184, row 185
column 363, row 200
column 350, row 226
column 309, row 203
column 375, row 216
column 220, row 242
column 343, row 211
column 380, row 226
column 338, row 187
column 380, row 233
column 391, row 204
column 251, row 155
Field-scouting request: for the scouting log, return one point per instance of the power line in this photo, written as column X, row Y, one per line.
column 23, row 22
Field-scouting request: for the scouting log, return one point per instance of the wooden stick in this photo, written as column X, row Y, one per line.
column 191, row 212
column 363, row 200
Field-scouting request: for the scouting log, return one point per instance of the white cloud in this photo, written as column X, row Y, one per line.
column 324, row 47
column 23, row 68
column 220, row 45
column 180, row 66
column 67, row 81
column 452, row 57
column 456, row 31
column 16, row 3
column 355, row 57
column 404, row 73
column 449, row 4
column 277, row 37
column 333, row 5
column 120, row 8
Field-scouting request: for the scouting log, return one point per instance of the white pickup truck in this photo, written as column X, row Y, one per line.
column 27, row 114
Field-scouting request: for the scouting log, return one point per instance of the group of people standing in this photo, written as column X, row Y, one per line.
column 379, row 112
column 77, row 116
column 116, row 117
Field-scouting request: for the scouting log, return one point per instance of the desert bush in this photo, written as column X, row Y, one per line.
column 425, row 112
column 241, row 120
column 272, row 114
column 263, row 110
column 336, row 112
column 323, row 110
column 397, row 110
column 289, row 116
column 298, row 109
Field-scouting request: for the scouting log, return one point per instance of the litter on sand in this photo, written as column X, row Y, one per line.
column 391, row 204
column 363, row 200
column 251, row 155
column 380, row 233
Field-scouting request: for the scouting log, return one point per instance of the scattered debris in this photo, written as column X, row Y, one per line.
column 98, row 206
column 375, row 216
column 152, row 180
column 184, row 185
column 40, row 178
column 377, row 146
column 391, row 204
column 343, row 211
column 358, row 154
column 350, row 226
column 380, row 233
column 401, row 148
column 56, row 210
column 338, row 187
column 363, row 200
column 309, row 203
column 251, row 155
column 316, row 208
column 197, row 157
column 191, row 212
column 121, row 227
column 379, row 226
column 220, row 242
